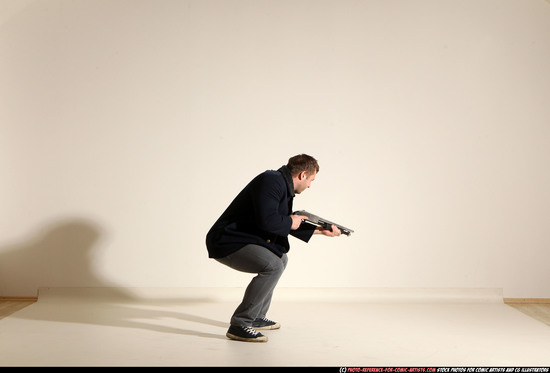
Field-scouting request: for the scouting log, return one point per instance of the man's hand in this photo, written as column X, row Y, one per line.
column 329, row 233
column 297, row 221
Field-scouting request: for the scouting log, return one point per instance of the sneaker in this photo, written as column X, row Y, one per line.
column 265, row 324
column 245, row 333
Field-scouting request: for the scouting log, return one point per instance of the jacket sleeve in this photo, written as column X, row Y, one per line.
column 304, row 232
column 267, row 197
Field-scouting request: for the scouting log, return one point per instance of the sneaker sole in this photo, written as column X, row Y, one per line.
column 243, row 339
column 268, row 327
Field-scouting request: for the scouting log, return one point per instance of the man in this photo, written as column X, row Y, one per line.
column 252, row 236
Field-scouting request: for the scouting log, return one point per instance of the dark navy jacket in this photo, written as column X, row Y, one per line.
column 258, row 215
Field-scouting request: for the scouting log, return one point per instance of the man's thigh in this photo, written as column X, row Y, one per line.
column 254, row 259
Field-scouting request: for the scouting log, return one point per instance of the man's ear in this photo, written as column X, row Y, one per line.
column 302, row 175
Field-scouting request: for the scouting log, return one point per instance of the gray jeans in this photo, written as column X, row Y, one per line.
column 257, row 297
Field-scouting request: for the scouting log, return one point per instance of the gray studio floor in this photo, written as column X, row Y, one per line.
column 320, row 327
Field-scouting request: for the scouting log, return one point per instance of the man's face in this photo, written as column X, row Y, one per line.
column 303, row 181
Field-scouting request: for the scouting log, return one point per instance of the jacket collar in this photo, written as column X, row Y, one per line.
column 288, row 178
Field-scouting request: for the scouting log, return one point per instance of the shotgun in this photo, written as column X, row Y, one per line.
column 324, row 223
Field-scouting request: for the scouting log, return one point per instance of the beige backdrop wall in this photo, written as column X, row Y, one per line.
column 127, row 126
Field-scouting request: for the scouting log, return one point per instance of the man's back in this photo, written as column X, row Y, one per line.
column 259, row 214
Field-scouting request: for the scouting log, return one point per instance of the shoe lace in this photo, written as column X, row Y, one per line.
column 250, row 330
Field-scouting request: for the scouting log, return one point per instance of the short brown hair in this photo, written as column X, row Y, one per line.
column 302, row 162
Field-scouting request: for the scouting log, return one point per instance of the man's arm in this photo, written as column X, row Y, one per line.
column 334, row 232
column 324, row 226
column 297, row 220
column 267, row 196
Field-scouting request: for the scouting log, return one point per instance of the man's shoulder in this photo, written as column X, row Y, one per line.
column 272, row 174
column 271, row 177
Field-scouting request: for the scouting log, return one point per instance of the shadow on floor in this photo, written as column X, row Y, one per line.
column 61, row 255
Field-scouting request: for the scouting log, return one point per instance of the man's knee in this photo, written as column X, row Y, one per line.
column 275, row 266
column 284, row 260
